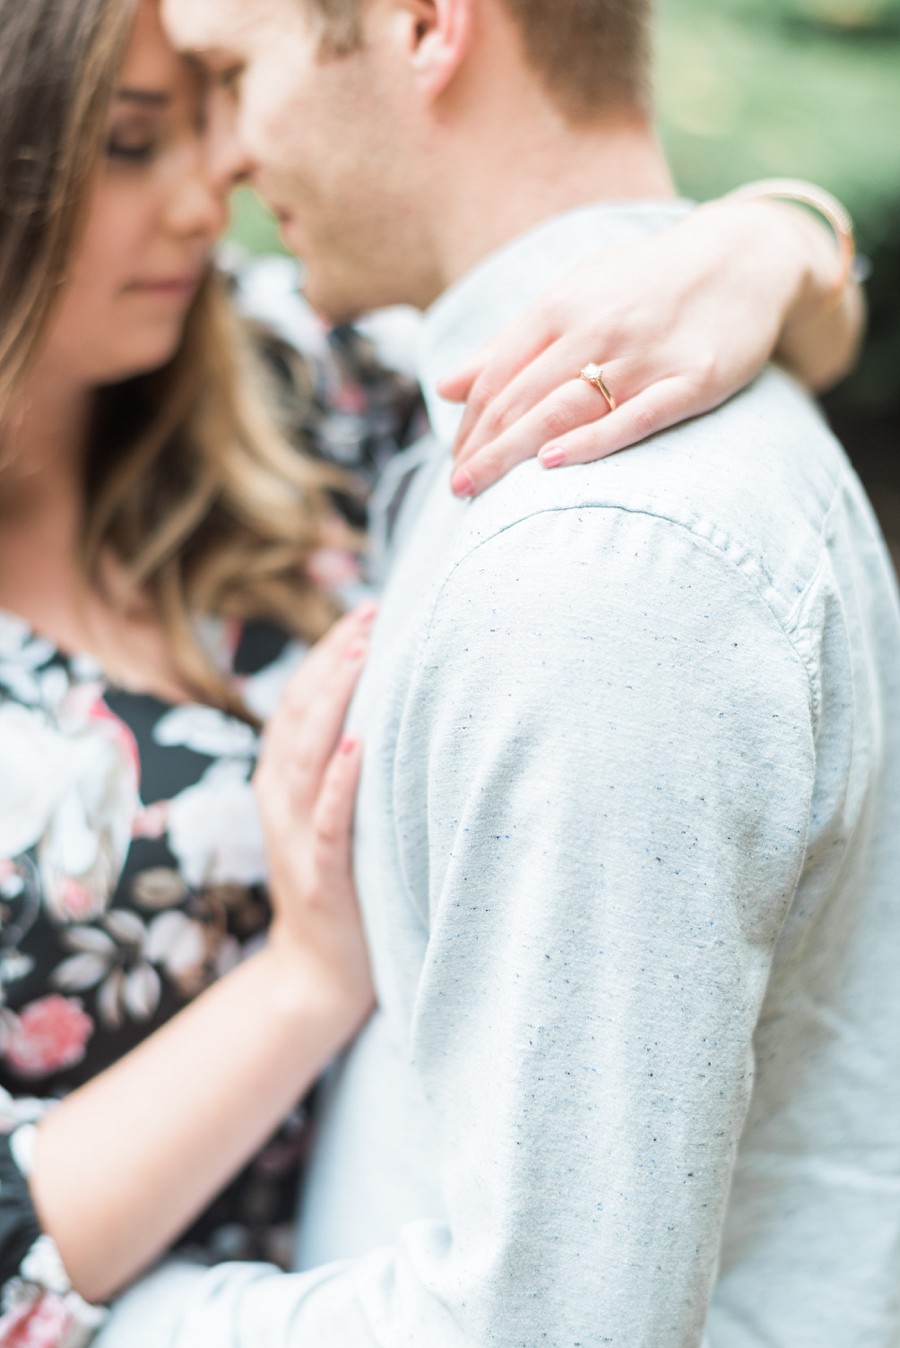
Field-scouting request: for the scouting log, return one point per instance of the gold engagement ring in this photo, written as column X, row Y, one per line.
column 592, row 374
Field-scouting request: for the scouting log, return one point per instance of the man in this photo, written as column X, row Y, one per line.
column 628, row 836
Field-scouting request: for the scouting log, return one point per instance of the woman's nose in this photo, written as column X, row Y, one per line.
column 198, row 206
column 216, row 165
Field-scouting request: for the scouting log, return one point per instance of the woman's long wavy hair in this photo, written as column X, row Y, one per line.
column 189, row 483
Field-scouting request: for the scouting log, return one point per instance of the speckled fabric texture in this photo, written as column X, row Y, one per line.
column 628, row 851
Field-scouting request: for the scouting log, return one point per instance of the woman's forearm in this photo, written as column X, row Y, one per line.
column 124, row 1164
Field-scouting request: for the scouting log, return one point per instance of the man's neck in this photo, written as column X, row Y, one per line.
column 511, row 277
column 532, row 168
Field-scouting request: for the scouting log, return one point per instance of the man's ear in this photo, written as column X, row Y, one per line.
column 440, row 36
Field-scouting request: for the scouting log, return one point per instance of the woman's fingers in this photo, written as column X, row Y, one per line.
column 329, row 650
column 457, row 387
column 307, row 726
column 311, row 881
column 567, row 407
column 658, row 407
column 553, row 369
column 515, row 348
column 576, row 425
column 334, row 810
column 301, row 736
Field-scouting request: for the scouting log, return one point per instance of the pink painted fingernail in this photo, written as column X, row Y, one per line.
column 552, row 458
column 347, row 745
column 462, row 484
column 357, row 651
column 366, row 613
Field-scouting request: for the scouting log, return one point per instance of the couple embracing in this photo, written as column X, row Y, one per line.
column 626, row 837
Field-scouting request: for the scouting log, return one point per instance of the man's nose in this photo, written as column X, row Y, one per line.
column 228, row 161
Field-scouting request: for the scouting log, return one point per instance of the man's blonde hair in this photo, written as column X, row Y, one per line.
column 593, row 55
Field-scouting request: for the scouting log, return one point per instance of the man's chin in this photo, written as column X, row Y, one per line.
column 332, row 302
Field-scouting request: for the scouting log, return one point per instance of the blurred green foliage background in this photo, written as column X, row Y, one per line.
column 801, row 88
column 754, row 88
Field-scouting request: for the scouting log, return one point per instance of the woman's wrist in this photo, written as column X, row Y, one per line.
column 310, row 991
column 788, row 252
column 797, row 270
column 817, row 267
column 830, row 215
column 767, row 245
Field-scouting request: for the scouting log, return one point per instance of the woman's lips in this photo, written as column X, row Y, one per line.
column 168, row 287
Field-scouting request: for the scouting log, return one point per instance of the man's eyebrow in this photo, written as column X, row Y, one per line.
column 147, row 98
column 206, row 59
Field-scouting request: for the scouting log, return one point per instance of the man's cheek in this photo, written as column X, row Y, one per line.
column 272, row 128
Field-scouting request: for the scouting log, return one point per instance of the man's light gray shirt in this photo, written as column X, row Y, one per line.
column 629, row 855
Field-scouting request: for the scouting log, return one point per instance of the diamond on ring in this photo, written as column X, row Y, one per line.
column 593, row 374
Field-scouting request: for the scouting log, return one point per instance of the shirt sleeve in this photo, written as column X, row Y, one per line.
column 37, row 1303
column 613, row 740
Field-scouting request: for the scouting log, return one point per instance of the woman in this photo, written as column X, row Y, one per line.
column 154, row 541
column 179, row 497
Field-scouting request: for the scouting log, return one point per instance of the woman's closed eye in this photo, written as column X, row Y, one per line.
column 131, row 148
column 136, row 133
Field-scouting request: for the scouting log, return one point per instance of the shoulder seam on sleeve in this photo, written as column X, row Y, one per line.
column 702, row 544
column 699, row 541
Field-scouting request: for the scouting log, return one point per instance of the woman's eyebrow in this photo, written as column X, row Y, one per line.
column 147, row 98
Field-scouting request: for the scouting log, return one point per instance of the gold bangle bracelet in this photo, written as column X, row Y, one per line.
column 824, row 204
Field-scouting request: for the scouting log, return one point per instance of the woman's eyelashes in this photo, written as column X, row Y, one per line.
column 134, row 141
column 131, row 153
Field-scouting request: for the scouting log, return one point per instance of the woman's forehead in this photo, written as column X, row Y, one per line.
column 150, row 68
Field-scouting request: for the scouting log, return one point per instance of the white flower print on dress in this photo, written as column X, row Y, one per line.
column 35, row 1319
column 39, row 1308
column 69, row 790
column 215, row 830
column 206, row 731
column 22, row 654
column 122, row 958
column 32, row 1317
column 33, row 776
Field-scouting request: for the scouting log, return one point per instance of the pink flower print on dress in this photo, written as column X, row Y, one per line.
column 47, row 1036
column 45, row 1323
column 151, row 821
column 77, row 902
column 85, row 702
column 83, row 850
column 69, row 793
column 350, row 399
column 332, row 568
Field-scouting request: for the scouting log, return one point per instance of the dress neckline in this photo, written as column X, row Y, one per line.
column 83, row 665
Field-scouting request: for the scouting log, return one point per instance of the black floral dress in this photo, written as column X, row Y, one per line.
column 132, row 875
